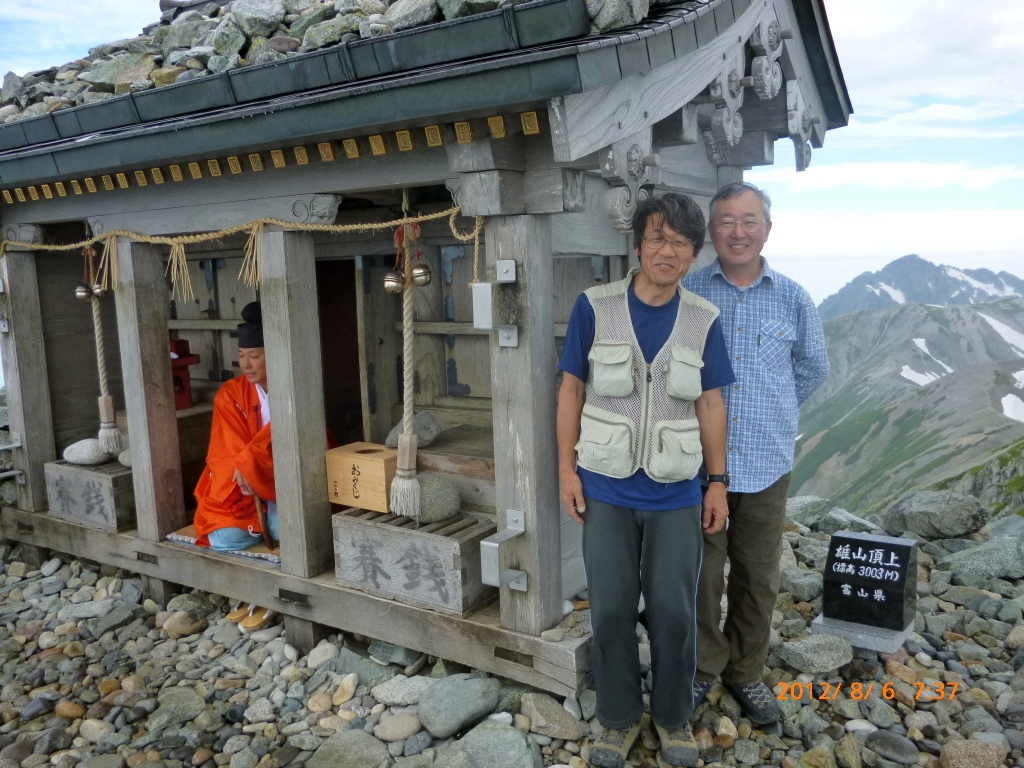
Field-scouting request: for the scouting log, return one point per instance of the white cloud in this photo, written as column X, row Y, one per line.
column 891, row 175
column 35, row 35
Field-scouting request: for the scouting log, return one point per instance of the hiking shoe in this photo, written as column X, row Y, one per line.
column 612, row 747
column 700, row 690
column 678, row 748
column 758, row 702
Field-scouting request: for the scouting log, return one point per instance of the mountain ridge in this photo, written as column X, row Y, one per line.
column 911, row 278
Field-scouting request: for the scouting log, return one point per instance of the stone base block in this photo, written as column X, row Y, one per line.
column 861, row 635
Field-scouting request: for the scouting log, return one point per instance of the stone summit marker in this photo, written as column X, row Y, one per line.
column 870, row 591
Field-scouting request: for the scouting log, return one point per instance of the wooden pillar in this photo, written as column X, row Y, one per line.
column 158, row 590
column 24, row 368
column 523, row 398
column 142, row 315
column 291, row 333
column 303, row 634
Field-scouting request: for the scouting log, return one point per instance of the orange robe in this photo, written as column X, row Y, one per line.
column 236, row 442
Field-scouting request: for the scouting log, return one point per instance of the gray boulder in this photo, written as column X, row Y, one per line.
column 615, row 14
column 935, row 515
column 492, row 745
column 803, row 585
column 806, row 510
column 370, row 673
column 124, row 69
column 423, row 424
column 321, row 13
column 411, row 13
column 330, row 31
column 184, row 32
column 439, row 498
column 454, row 702
column 1001, row 558
column 351, row 749
column 178, row 705
column 86, row 453
column 837, row 519
column 454, row 9
column 816, row 654
column 258, row 17
column 11, row 87
column 228, row 38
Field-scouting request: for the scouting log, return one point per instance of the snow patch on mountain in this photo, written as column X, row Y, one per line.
column 1014, row 338
column 1013, row 407
column 996, row 292
column 920, row 379
column 1019, row 376
column 923, row 346
column 894, row 293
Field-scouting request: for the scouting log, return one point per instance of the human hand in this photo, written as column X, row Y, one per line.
column 715, row 510
column 243, row 484
column 570, row 489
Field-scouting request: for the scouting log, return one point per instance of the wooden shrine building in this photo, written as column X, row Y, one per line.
column 550, row 143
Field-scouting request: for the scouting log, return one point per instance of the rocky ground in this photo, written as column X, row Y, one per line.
column 210, row 39
column 94, row 674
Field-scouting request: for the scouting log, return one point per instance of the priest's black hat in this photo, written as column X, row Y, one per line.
column 250, row 333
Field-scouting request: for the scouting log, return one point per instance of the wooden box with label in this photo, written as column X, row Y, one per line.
column 360, row 474
column 99, row 496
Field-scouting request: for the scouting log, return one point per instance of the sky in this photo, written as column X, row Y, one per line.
column 932, row 162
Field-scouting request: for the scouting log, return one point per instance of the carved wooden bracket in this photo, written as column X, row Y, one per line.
column 632, row 170
column 799, row 121
column 722, row 126
column 765, row 70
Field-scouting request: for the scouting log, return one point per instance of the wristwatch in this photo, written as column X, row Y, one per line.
column 724, row 479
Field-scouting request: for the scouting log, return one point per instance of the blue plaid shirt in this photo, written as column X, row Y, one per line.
column 777, row 349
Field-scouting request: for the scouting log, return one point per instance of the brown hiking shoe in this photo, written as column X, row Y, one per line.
column 678, row 748
column 612, row 747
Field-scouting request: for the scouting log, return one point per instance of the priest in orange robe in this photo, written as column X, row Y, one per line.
column 240, row 461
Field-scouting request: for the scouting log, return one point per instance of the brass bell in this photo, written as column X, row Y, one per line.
column 83, row 293
column 394, row 281
column 98, row 290
column 421, row 275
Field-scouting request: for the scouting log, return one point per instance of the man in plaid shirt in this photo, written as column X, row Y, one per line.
column 777, row 350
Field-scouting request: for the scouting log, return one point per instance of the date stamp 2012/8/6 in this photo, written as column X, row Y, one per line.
column 932, row 690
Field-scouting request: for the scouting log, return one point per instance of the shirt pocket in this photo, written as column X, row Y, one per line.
column 611, row 365
column 775, row 344
column 606, row 443
column 684, row 368
column 676, row 452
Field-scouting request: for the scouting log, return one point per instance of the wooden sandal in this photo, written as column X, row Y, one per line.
column 241, row 611
column 258, row 620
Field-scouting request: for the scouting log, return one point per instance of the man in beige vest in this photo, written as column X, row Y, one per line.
column 639, row 410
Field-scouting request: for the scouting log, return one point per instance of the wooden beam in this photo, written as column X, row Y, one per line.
column 523, row 397
column 462, row 329
column 490, row 193
column 754, row 148
column 585, row 122
column 554, row 190
column 588, row 233
column 142, row 314
column 486, row 154
column 477, row 641
column 291, row 328
column 24, row 369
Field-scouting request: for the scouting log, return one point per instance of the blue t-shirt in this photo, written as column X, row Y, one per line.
column 652, row 326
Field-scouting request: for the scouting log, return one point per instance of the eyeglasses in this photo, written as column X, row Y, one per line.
column 750, row 226
column 657, row 241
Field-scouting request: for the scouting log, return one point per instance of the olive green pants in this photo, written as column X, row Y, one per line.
column 753, row 543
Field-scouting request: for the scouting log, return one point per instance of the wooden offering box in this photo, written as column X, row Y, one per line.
column 99, row 496
column 435, row 566
column 360, row 474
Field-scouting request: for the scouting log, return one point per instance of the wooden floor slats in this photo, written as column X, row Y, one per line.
column 477, row 640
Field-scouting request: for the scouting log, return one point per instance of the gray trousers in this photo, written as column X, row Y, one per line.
column 629, row 552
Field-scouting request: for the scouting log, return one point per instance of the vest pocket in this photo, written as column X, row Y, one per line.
column 676, row 452
column 684, row 373
column 611, row 366
column 606, row 443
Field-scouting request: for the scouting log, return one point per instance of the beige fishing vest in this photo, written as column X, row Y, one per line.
column 635, row 414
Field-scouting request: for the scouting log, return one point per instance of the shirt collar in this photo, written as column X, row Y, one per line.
column 766, row 272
